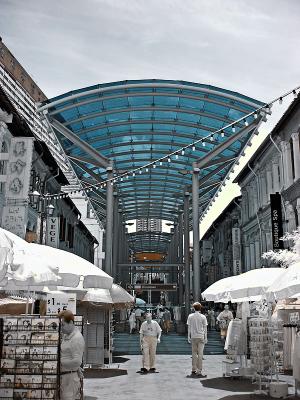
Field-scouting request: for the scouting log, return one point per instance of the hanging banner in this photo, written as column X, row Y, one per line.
column 236, row 251
column 276, row 220
column 57, row 302
column 52, row 232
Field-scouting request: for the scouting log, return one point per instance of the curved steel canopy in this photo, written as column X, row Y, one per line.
column 132, row 123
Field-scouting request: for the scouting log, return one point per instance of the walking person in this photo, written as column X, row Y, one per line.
column 72, row 348
column 197, row 335
column 139, row 317
column 150, row 334
column 166, row 320
column 132, row 321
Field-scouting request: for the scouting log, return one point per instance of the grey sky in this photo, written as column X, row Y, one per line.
column 248, row 46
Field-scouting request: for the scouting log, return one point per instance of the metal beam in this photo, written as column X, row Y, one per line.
column 109, row 223
column 85, row 160
column 149, row 265
column 215, row 171
column 201, row 163
column 79, row 142
column 88, row 170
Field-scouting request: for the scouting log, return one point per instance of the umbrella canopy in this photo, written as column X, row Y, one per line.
column 218, row 290
column 286, row 285
column 22, row 269
column 139, row 302
column 120, row 296
column 253, row 283
column 245, row 287
column 72, row 268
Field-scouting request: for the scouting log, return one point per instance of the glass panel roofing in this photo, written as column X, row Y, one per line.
column 134, row 123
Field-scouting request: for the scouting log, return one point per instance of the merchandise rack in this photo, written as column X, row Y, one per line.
column 30, row 357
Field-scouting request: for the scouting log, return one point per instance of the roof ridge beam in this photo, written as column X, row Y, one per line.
column 80, row 143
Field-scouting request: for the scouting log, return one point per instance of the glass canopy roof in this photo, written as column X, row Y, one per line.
column 133, row 123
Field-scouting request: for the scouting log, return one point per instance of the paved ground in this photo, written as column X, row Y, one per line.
column 170, row 344
column 171, row 383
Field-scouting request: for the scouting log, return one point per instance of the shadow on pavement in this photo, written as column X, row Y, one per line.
column 230, row 384
column 91, row 373
column 120, row 360
column 252, row 397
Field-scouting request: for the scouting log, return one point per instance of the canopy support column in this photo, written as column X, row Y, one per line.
column 109, row 222
column 196, row 250
column 186, row 252
column 180, row 259
column 115, row 253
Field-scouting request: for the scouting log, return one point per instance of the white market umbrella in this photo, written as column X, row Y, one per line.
column 6, row 253
column 71, row 268
column 140, row 302
column 218, row 290
column 120, row 295
column 253, row 283
column 287, row 285
column 24, row 270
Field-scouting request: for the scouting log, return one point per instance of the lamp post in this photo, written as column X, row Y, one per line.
column 43, row 207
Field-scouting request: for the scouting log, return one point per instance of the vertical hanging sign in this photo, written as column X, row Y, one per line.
column 236, row 251
column 276, row 220
column 52, row 236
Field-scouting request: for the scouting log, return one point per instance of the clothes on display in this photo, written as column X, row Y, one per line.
column 296, row 357
column 224, row 318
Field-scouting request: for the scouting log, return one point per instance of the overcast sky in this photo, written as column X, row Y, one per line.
column 249, row 46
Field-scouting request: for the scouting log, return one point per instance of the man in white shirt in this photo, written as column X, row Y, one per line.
column 72, row 348
column 150, row 334
column 197, row 335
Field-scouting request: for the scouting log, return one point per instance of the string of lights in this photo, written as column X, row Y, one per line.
column 168, row 158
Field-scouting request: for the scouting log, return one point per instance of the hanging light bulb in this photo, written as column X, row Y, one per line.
column 182, row 152
column 255, row 115
column 133, row 174
column 194, row 147
column 280, row 100
column 222, row 133
column 121, row 178
column 154, row 165
column 176, row 156
column 211, row 138
column 169, row 159
column 147, row 169
column 246, row 122
column 233, row 128
column 140, row 171
column 160, row 163
column 203, row 144
column 111, row 182
column 127, row 176
column 295, row 93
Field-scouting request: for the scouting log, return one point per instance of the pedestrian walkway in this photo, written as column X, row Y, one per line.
column 173, row 344
column 171, row 382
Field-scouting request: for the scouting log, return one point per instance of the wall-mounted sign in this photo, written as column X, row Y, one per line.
column 57, row 302
column 14, row 219
column 276, row 220
column 52, row 232
column 155, row 286
column 19, row 167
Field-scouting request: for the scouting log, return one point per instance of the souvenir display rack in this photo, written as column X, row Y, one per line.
column 30, row 357
column 261, row 350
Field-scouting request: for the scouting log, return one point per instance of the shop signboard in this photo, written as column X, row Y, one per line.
column 14, row 219
column 52, row 232
column 236, row 250
column 276, row 220
column 57, row 302
column 155, row 286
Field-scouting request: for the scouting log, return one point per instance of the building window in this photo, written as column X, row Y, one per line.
column 62, row 228
column 70, row 236
column 292, row 157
